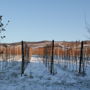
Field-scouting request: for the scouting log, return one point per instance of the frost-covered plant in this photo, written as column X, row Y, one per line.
column 14, row 75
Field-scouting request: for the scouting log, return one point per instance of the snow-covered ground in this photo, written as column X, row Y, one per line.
column 37, row 77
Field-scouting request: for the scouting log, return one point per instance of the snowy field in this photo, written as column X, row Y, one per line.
column 37, row 77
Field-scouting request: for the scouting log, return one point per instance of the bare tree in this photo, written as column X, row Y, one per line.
column 2, row 28
column 88, row 31
column 87, row 26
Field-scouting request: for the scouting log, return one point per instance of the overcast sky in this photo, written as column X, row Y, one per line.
column 36, row 20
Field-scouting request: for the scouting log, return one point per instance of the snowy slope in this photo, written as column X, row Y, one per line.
column 37, row 77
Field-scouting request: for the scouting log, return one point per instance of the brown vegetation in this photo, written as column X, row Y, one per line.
column 40, row 48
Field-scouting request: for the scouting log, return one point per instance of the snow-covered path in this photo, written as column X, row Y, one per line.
column 37, row 77
column 35, row 68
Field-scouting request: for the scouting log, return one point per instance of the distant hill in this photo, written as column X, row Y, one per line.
column 46, row 42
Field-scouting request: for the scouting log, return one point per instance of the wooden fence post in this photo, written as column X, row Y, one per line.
column 81, row 58
column 22, row 66
column 52, row 58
